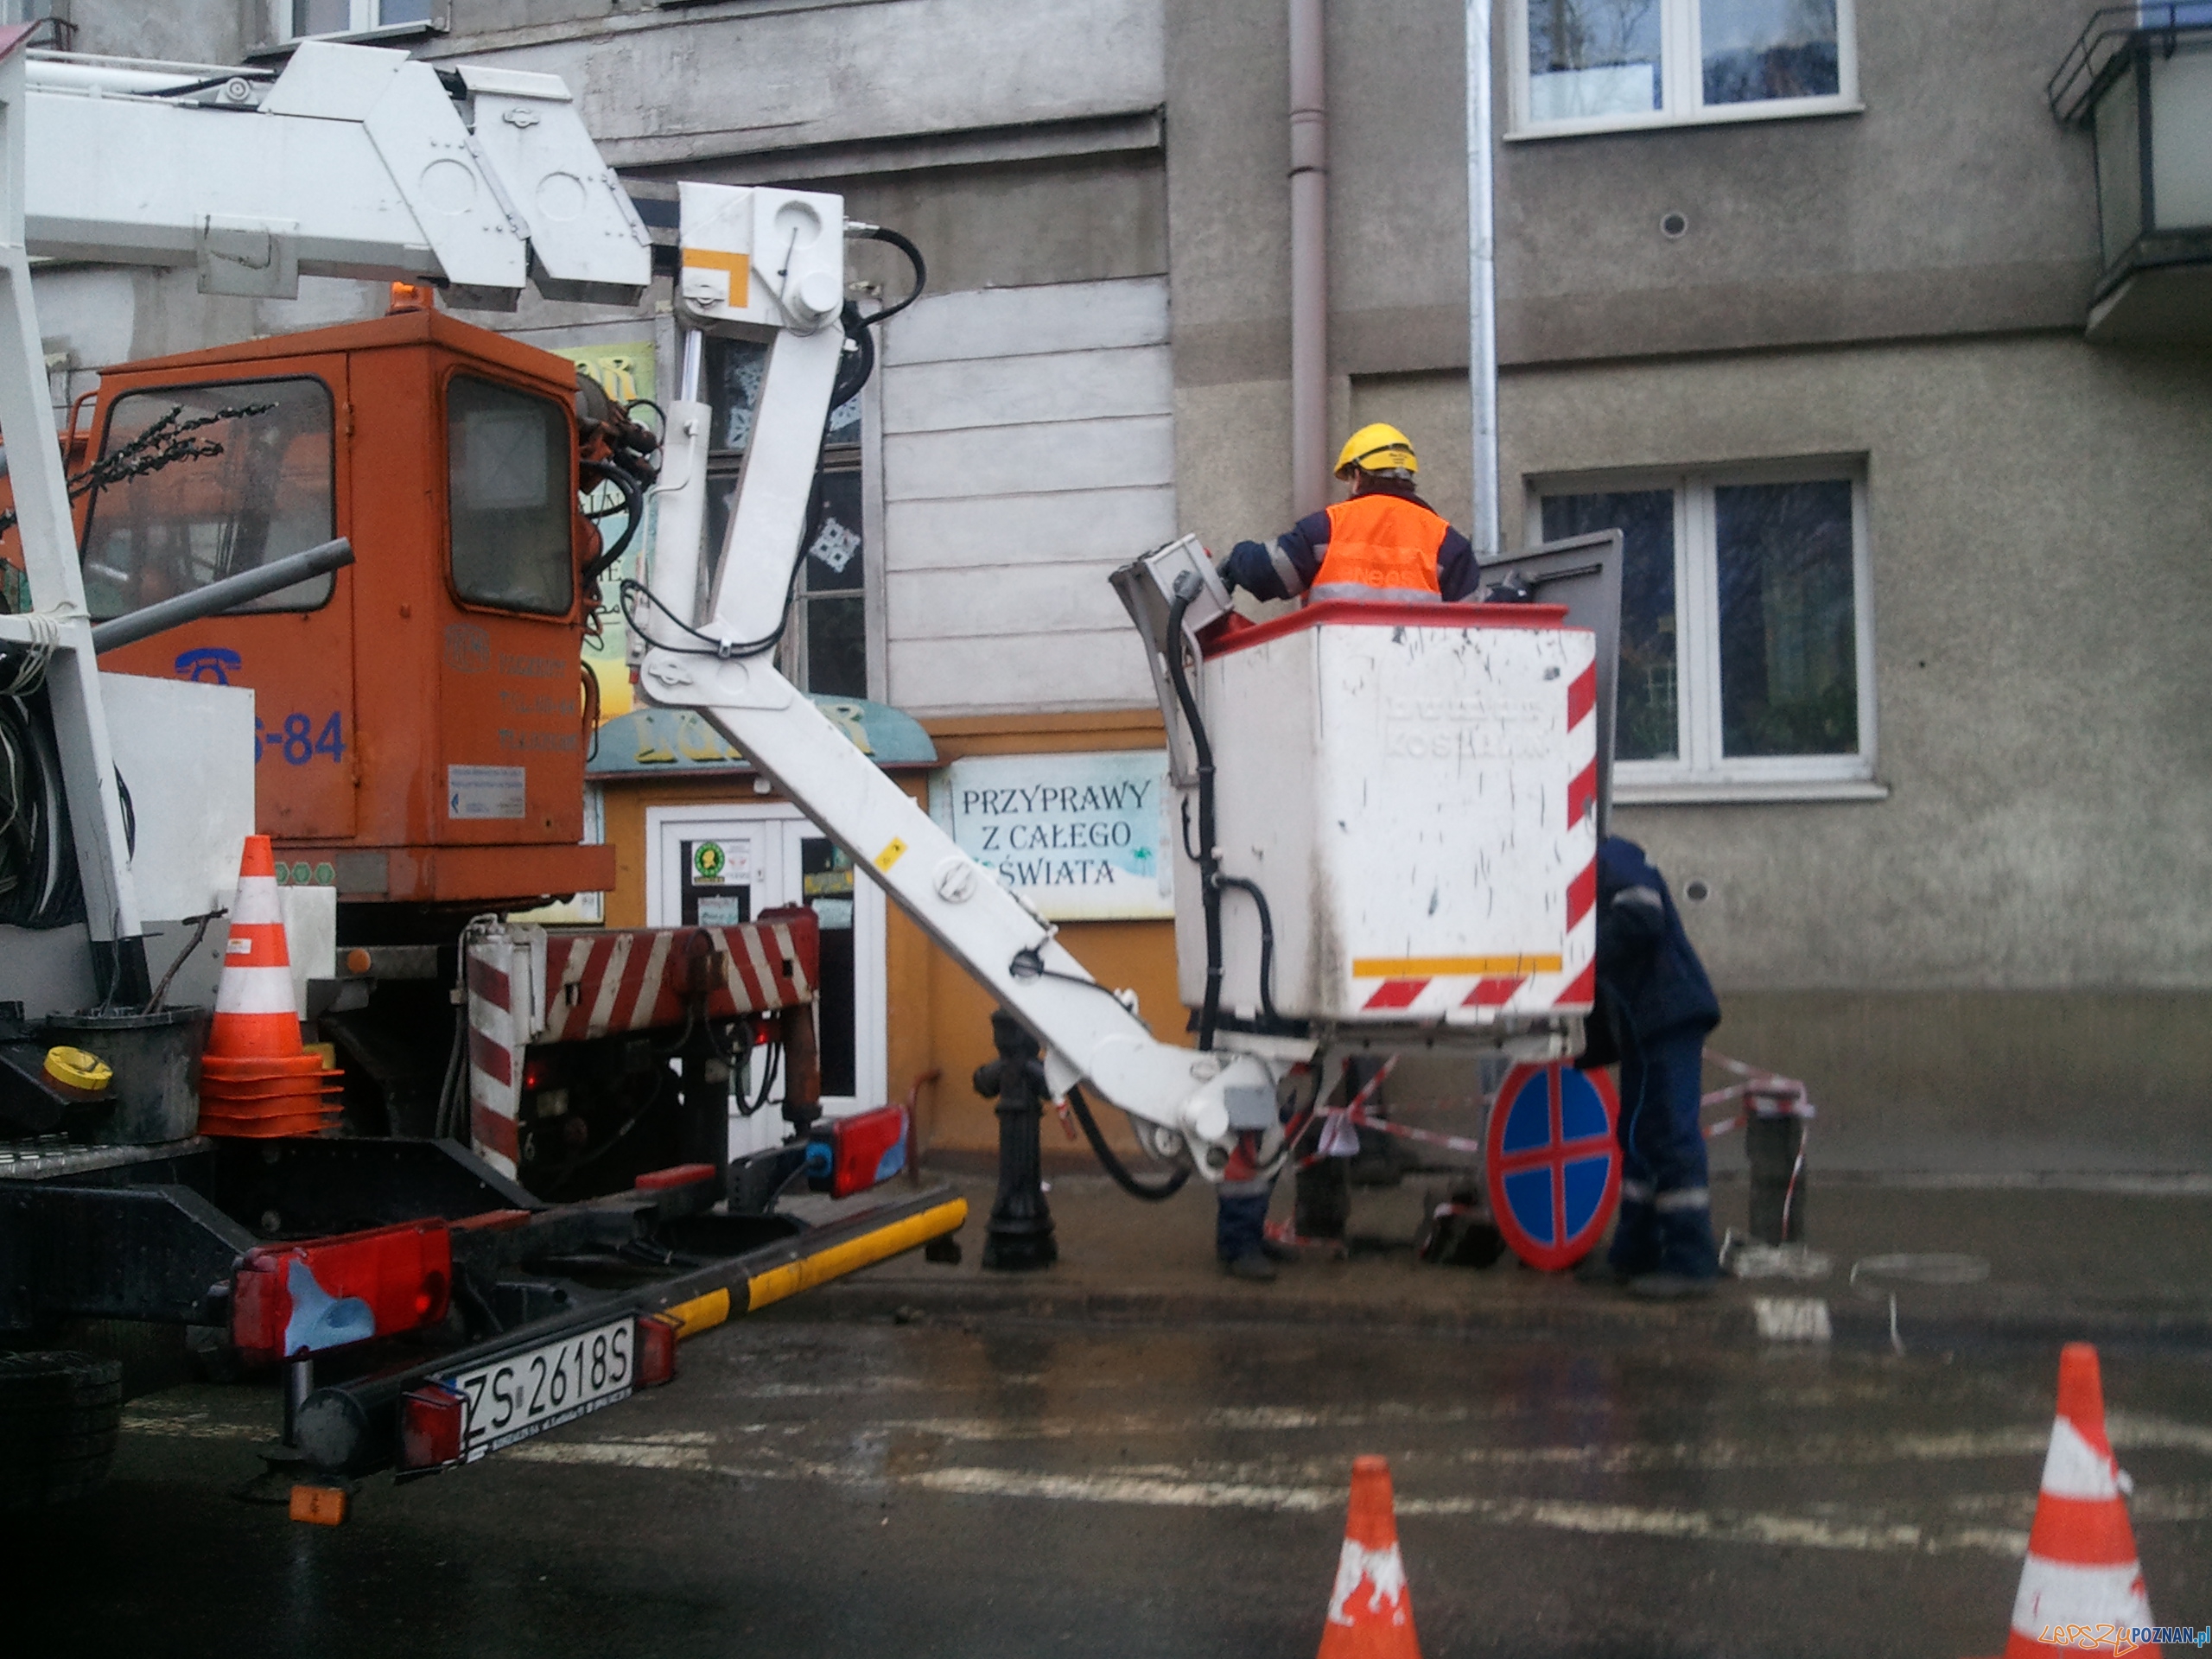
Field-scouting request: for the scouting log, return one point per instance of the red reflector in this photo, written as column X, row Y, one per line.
column 656, row 1335
column 659, row 1180
column 846, row 1156
column 431, row 1421
column 302, row 1299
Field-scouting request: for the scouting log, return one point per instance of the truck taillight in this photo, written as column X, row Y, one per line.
column 301, row 1299
column 656, row 1349
column 846, row 1156
column 433, row 1419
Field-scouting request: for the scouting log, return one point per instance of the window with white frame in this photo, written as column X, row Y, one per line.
column 1594, row 66
column 298, row 19
column 1745, row 659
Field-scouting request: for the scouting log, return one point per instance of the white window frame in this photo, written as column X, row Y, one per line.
column 1701, row 771
column 1681, row 80
column 365, row 21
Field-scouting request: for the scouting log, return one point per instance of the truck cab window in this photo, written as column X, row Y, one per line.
column 510, row 498
column 207, row 482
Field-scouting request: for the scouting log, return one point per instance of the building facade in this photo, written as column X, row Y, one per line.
column 1799, row 294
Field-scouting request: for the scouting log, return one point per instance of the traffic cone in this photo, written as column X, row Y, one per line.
column 1370, row 1614
column 256, row 1080
column 2081, row 1587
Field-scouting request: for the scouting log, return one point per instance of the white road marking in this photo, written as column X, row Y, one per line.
column 1705, row 1526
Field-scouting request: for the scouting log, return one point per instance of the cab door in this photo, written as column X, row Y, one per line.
column 208, row 473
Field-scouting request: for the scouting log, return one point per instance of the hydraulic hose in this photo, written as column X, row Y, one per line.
column 1186, row 589
column 1266, row 941
column 1113, row 1165
column 632, row 504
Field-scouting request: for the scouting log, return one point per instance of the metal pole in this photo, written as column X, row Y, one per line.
column 1482, row 280
column 1309, row 261
column 218, row 597
column 1020, row 1235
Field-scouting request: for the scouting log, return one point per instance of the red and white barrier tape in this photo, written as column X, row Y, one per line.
column 1765, row 1094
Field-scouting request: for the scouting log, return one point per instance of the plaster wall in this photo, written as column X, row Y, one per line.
column 2035, row 508
column 656, row 86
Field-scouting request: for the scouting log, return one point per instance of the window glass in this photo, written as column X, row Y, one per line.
column 1648, row 724
column 733, row 371
column 1757, row 49
column 322, row 17
column 217, row 479
column 403, row 11
column 1788, row 648
column 1592, row 58
column 510, row 498
column 832, row 578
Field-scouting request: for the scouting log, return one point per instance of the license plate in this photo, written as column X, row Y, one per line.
column 526, row 1393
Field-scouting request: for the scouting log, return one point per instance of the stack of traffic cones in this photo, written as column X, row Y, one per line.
column 2081, row 1585
column 256, row 1079
column 1370, row 1615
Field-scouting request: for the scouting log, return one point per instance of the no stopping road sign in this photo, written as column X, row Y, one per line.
column 1551, row 1163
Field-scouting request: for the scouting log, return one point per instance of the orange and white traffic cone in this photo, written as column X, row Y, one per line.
column 2081, row 1587
column 1370, row 1614
column 256, row 1079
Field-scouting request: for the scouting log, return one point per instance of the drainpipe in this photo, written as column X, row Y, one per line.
column 1309, row 261
column 1482, row 280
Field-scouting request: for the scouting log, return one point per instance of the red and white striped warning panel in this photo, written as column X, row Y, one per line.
column 534, row 985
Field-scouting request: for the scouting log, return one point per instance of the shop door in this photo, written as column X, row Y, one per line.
column 717, row 866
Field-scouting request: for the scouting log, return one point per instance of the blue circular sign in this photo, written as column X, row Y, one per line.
column 1551, row 1164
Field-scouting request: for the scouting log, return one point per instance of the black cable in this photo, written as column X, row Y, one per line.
column 852, row 373
column 770, row 1067
column 1113, row 1165
column 1186, row 589
column 1267, row 941
column 1030, row 964
column 634, row 501
column 892, row 238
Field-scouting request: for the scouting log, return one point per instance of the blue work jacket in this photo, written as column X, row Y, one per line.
column 1651, row 984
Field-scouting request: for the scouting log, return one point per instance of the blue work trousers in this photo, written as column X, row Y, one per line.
column 1240, row 1221
column 1666, row 1216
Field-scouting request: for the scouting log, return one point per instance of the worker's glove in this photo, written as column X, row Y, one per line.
column 1243, row 552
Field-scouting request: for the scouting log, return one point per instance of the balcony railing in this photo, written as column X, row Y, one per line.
column 2140, row 79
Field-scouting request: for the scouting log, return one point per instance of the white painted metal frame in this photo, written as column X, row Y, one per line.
column 1681, row 80
column 1702, row 771
column 1090, row 1034
column 355, row 162
column 57, row 618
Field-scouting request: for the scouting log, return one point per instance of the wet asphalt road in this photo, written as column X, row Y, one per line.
column 818, row 1487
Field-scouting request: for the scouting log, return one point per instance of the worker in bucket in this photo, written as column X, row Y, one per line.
column 1654, row 1006
column 1384, row 543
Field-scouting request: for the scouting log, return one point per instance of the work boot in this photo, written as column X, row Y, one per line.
column 1664, row 1286
column 1278, row 1252
column 1254, row 1268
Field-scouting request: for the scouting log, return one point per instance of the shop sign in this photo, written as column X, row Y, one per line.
column 1083, row 837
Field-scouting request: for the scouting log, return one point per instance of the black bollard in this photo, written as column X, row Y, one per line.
column 1773, row 1143
column 1019, row 1235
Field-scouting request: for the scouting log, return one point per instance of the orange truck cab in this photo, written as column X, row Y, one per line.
column 422, row 714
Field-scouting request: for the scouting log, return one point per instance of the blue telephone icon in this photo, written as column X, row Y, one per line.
column 210, row 665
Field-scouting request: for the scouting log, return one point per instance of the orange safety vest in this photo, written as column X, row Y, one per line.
column 1381, row 547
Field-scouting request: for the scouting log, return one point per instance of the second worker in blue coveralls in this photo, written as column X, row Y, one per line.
column 1655, row 1006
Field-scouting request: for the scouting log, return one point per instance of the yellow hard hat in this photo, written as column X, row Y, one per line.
column 1377, row 448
